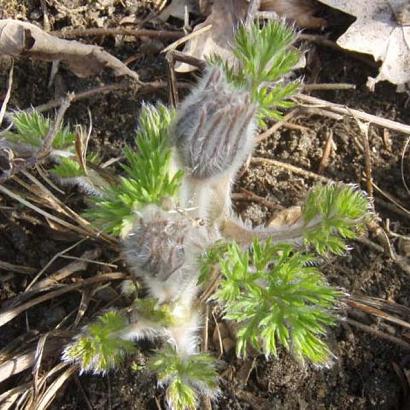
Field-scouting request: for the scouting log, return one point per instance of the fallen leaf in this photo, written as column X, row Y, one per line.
column 301, row 12
column 381, row 29
column 224, row 17
column 19, row 38
column 177, row 9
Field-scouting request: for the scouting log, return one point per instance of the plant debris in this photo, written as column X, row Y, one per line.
column 381, row 29
column 19, row 38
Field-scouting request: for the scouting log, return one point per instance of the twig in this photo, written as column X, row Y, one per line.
column 45, row 149
column 8, row 314
column 392, row 199
column 185, row 58
column 266, row 134
column 82, row 391
column 184, row 39
column 118, row 31
column 376, row 312
column 364, row 129
column 340, row 109
column 322, row 113
column 246, row 195
column 8, row 93
column 403, row 154
column 328, row 86
column 324, row 161
column 290, row 168
column 19, row 166
column 253, row 8
column 377, row 333
column 172, row 80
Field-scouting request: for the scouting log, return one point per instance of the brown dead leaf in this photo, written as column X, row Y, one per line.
column 19, row 38
column 224, row 17
column 301, row 12
column 382, row 30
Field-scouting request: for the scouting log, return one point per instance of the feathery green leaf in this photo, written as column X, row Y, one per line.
column 186, row 376
column 277, row 297
column 147, row 179
column 100, row 348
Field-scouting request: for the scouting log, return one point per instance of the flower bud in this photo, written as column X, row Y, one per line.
column 213, row 131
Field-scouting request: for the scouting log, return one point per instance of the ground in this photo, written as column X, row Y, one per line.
column 364, row 374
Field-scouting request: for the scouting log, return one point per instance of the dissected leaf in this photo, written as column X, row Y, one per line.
column 301, row 12
column 19, row 38
column 380, row 30
column 224, row 17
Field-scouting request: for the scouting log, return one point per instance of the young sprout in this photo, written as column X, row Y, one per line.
column 176, row 227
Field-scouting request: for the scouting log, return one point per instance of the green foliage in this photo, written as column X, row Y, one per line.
column 186, row 376
column 32, row 128
column 147, row 178
column 264, row 56
column 149, row 308
column 276, row 297
column 332, row 214
column 67, row 168
column 210, row 258
column 100, row 348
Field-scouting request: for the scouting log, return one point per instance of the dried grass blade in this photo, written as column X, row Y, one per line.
column 49, row 395
column 8, row 314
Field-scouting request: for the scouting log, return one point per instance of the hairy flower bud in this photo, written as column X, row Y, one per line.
column 163, row 248
column 214, row 127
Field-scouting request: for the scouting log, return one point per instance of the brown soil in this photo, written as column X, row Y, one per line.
column 363, row 375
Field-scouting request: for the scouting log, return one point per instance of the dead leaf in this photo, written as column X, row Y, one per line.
column 224, row 17
column 177, row 9
column 301, row 12
column 19, row 38
column 380, row 30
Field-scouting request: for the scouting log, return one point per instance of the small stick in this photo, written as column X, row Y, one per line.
column 391, row 198
column 328, row 86
column 376, row 312
column 45, row 149
column 249, row 196
column 185, row 58
column 184, row 39
column 364, row 129
column 376, row 332
column 253, row 8
column 340, row 109
column 403, row 154
column 172, row 80
column 266, row 134
column 117, row 31
column 8, row 93
column 322, row 113
column 324, row 162
column 290, row 168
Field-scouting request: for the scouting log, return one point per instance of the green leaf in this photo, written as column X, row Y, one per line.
column 100, row 348
column 67, row 168
column 147, row 174
column 187, row 376
column 264, row 57
column 333, row 213
column 149, row 308
column 277, row 298
column 32, row 128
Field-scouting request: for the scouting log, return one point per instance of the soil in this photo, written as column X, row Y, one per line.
column 364, row 373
